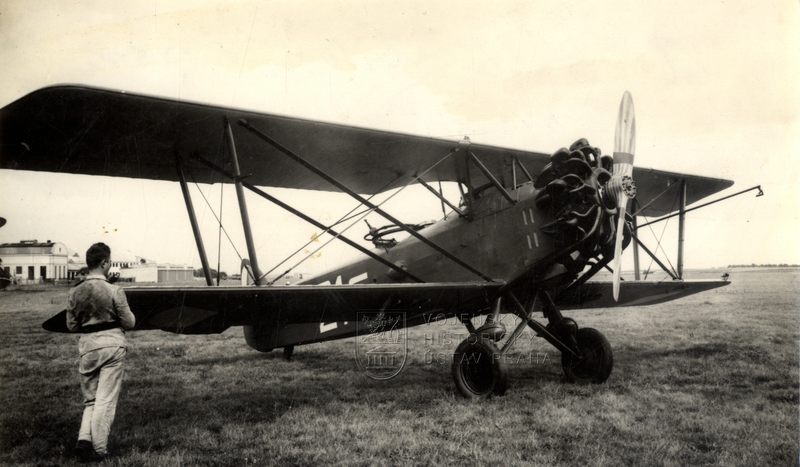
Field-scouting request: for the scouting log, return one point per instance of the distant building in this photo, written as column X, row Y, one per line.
column 173, row 273
column 136, row 269
column 143, row 270
column 32, row 261
column 75, row 265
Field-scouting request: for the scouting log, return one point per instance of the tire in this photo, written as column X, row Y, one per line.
column 478, row 369
column 598, row 358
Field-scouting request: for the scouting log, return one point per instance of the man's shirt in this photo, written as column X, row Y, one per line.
column 95, row 301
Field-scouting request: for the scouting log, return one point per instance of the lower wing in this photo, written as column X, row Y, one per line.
column 637, row 293
column 209, row 310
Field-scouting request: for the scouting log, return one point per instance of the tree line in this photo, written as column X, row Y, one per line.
column 199, row 273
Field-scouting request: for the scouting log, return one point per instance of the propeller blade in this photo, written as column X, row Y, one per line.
column 624, row 148
column 625, row 134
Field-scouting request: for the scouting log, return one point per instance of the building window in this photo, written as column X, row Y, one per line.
column 30, row 273
column 19, row 270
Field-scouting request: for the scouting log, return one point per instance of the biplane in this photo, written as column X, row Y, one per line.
column 530, row 231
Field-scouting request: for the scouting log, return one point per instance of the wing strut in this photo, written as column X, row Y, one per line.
column 361, row 199
column 237, row 180
column 441, row 197
column 681, row 224
column 193, row 220
column 524, row 170
column 308, row 219
column 491, row 177
column 653, row 256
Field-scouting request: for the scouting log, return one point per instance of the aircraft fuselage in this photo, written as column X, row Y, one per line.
column 500, row 239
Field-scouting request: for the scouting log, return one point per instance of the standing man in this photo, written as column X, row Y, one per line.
column 100, row 311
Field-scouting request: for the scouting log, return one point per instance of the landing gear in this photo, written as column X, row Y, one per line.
column 587, row 356
column 595, row 360
column 288, row 351
column 478, row 368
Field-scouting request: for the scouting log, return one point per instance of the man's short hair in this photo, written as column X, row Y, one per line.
column 96, row 254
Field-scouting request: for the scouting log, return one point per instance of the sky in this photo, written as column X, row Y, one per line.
column 714, row 86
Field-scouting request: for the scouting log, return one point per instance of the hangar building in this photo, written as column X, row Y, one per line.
column 32, row 261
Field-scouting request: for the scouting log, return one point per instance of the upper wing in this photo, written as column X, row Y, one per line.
column 100, row 132
column 651, row 183
column 84, row 130
column 206, row 310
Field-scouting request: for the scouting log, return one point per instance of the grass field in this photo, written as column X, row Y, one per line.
column 709, row 379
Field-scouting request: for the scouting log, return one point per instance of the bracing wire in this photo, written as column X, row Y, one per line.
column 339, row 233
column 658, row 242
column 314, row 238
column 344, row 218
column 663, row 231
column 215, row 216
column 347, row 216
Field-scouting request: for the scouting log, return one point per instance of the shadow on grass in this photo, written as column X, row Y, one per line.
column 695, row 351
column 29, row 432
column 234, row 359
column 724, row 350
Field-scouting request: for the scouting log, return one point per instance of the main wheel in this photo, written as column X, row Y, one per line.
column 478, row 369
column 597, row 361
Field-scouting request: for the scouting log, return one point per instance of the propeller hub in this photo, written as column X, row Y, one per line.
column 628, row 187
column 618, row 186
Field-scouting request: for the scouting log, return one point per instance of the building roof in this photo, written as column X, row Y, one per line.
column 27, row 243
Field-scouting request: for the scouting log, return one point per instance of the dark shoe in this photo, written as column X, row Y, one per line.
column 85, row 452
column 92, row 457
column 83, row 448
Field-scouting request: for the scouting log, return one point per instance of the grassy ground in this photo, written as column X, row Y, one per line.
column 710, row 379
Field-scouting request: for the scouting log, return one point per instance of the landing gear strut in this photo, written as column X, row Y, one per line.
column 479, row 369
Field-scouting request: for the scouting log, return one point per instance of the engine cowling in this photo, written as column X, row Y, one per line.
column 574, row 190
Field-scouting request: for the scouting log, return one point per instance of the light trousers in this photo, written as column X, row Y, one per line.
column 101, row 380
